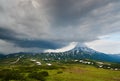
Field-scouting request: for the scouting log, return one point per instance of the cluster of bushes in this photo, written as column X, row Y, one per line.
column 7, row 74
column 26, row 73
column 38, row 75
column 59, row 72
column 18, row 75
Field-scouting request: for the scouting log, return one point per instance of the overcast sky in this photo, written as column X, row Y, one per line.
column 38, row 25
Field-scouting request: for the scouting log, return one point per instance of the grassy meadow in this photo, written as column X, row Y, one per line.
column 58, row 72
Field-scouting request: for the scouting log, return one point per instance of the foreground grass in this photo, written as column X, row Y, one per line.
column 83, row 73
column 64, row 72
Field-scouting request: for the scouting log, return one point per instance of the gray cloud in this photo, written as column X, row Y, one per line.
column 55, row 23
column 11, row 36
column 7, row 34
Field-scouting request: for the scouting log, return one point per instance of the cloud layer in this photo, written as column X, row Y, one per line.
column 52, row 24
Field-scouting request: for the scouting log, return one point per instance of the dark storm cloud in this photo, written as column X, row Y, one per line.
column 37, row 43
column 52, row 24
column 7, row 34
column 69, row 12
column 11, row 36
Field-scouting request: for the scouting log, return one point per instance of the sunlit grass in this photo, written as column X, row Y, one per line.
column 68, row 72
column 83, row 73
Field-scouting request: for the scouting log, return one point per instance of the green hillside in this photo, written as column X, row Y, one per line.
column 27, row 68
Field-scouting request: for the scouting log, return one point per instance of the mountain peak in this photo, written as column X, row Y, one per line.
column 82, row 47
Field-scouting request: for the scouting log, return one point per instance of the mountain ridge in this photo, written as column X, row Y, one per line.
column 79, row 52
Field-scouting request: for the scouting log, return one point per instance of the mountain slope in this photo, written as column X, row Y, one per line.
column 79, row 52
column 82, row 52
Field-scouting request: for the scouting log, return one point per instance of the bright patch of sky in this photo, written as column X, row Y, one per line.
column 111, row 37
column 108, row 44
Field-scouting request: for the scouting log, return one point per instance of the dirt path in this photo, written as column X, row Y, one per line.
column 18, row 59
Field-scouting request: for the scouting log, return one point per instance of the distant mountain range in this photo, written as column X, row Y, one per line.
column 2, row 56
column 79, row 52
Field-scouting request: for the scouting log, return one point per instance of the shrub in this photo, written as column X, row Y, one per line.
column 37, row 76
column 59, row 72
column 44, row 73
column 7, row 75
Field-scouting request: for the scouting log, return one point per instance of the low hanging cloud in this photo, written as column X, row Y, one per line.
column 66, row 48
column 52, row 24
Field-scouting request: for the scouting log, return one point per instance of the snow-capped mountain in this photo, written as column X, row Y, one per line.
column 83, row 48
column 83, row 52
column 80, row 51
